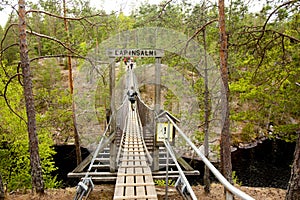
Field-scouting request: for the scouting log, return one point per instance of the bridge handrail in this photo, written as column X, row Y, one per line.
column 145, row 104
column 86, row 185
column 122, row 138
column 212, row 168
column 181, row 173
column 105, row 139
column 102, row 143
column 145, row 147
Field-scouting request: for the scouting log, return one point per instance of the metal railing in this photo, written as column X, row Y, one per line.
column 230, row 189
column 186, row 189
column 86, row 185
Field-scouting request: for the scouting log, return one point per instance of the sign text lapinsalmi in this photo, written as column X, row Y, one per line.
column 135, row 53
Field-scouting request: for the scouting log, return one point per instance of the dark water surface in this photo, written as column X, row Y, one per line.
column 265, row 165
column 65, row 160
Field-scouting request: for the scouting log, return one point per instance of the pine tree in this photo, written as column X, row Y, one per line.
column 36, row 169
column 226, row 167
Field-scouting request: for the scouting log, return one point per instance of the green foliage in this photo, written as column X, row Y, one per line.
column 287, row 132
column 14, row 153
column 171, row 101
column 248, row 133
column 235, row 179
column 199, row 136
column 162, row 182
column 102, row 101
column 10, row 45
column 263, row 78
column 171, row 16
column 53, row 100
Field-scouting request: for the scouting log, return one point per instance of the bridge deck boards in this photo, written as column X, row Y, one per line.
column 134, row 178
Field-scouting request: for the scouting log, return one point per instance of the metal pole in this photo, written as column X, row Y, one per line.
column 157, row 109
column 167, row 162
column 157, row 84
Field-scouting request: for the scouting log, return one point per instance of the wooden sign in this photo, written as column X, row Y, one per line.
column 157, row 53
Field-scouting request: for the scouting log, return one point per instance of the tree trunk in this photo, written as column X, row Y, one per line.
column 36, row 169
column 69, row 63
column 206, row 119
column 2, row 193
column 226, row 167
column 293, row 191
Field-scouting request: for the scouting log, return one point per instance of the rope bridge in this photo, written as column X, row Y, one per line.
column 134, row 178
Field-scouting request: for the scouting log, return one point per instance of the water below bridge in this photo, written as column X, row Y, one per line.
column 265, row 165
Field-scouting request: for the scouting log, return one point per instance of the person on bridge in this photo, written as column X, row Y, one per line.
column 125, row 61
column 131, row 63
column 132, row 95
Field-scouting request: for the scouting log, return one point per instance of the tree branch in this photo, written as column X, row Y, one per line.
column 263, row 56
column 1, row 46
column 269, row 17
column 50, row 38
column 3, row 50
column 279, row 33
column 73, row 56
column 1, row 54
column 163, row 7
column 6, row 100
column 56, row 56
column 198, row 31
column 259, row 31
column 201, row 28
column 6, row 32
column 85, row 18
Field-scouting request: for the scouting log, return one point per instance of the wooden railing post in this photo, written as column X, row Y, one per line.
column 113, row 150
column 229, row 195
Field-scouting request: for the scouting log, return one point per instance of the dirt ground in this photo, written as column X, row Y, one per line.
column 104, row 192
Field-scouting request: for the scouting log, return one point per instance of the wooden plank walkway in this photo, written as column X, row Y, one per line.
column 134, row 178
